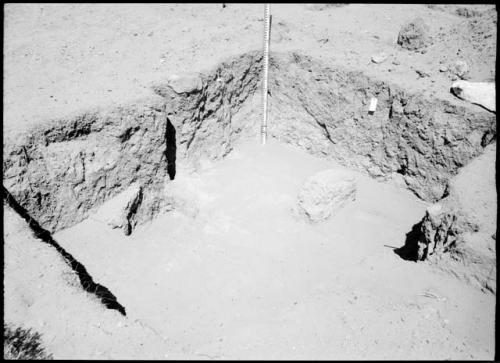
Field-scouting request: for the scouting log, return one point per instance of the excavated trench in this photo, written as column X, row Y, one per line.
column 61, row 171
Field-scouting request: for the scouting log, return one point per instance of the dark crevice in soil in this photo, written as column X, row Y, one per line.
column 488, row 137
column 402, row 170
column 320, row 124
column 410, row 249
column 88, row 284
column 128, row 133
column 130, row 216
column 171, row 149
column 446, row 192
column 26, row 155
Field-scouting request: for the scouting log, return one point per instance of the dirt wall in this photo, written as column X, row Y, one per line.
column 63, row 168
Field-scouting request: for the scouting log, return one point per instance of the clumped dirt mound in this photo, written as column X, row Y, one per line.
column 414, row 35
column 458, row 234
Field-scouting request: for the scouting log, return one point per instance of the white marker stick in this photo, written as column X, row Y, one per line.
column 373, row 105
column 265, row 73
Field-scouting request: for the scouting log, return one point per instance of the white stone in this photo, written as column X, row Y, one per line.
column 379, row 58
column 480, row 93
column 185, row 84
column 373, row 104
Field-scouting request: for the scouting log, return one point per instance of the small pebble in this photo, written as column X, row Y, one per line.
column 379, row 58
column 422, row 74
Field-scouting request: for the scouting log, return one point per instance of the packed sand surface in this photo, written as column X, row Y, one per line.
column 244, row 278
column 132, row 160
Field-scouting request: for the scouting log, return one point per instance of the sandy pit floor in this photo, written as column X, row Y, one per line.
column 239, row 275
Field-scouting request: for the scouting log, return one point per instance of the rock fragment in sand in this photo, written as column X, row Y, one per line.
column 379, row 58
column 414, row 35
column 326, row 192
column 185, row 84
column 119, row 211
column 422, row 74
column 479, row 93
column 459, row 68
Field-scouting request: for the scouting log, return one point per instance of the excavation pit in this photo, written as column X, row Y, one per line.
column 167, row 203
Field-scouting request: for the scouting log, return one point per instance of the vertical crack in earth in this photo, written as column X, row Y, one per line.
column 171, row 149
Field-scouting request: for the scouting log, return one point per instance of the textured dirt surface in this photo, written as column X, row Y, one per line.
column 63, row 58
column 98, row 97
